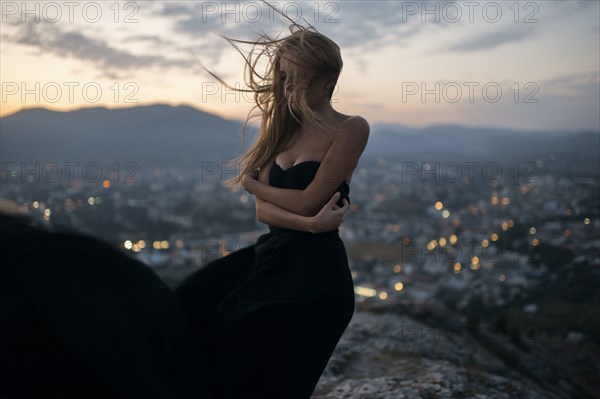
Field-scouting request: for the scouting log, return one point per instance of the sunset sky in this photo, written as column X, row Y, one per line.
column 528, row 65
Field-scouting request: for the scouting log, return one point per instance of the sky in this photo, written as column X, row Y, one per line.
column 530, row 65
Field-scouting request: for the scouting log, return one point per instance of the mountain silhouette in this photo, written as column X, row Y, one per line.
column 160, row 135
column 151, row 136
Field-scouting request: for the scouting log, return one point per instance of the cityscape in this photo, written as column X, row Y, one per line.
column 414, row 231
column 470, row 247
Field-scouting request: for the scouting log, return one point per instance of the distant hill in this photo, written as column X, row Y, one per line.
column 185, row 137
column 458, row 142
column 151, row 136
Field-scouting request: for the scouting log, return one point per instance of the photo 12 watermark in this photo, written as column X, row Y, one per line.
column 458, row 254
column 453, row 92
column 70, row 92
column 470, row 11
column 237, row 93
column 69, row 172
column 92, row 12
column 314, row 12
column 413, row 331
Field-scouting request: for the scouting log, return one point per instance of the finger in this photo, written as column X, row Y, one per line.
column 341, row 212
column 346, row 205
column 343, row 208
column 334, row 198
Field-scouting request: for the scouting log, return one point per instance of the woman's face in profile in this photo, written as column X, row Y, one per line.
column 287, row 72
column 292, row 74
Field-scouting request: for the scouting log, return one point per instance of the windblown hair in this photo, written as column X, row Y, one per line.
column 314, row 56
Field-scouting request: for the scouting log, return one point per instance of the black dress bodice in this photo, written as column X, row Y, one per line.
column 300, row 176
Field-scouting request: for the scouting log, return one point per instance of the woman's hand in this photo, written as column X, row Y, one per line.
column 330, row 216
column 250, row 181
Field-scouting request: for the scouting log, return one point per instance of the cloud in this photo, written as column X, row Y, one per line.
column 579, row 84
column 359, row 27
column 492, row 40
column 351, row 24
column 147, row 38
column 47, row 37
column 563, row 9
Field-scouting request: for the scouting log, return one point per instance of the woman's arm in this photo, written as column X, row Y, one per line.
column 341, row 159
column 329, row 218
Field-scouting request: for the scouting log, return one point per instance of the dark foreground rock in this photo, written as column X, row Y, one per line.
column 387, row 355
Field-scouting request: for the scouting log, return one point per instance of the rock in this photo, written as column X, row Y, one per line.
column 391, row 356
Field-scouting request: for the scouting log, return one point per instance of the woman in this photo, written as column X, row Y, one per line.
column 81, row 319
column 269, row 316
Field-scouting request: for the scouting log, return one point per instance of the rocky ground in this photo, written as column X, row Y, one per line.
column 395, row 352
column 425, row 350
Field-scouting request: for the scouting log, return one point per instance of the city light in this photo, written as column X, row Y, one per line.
column 365, row 291
column 453, row 239
column 475, row 265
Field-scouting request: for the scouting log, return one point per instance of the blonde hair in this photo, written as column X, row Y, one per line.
column 315, row 55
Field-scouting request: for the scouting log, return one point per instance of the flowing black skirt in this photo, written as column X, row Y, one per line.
column 80, row 319
column 269, row 316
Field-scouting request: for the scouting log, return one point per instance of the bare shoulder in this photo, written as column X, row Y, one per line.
column 355, row 128
column 357, row 124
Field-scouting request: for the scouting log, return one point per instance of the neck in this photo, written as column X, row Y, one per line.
column 324, row 109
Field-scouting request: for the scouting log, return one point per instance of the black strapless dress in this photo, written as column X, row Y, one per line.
column 80, row 319
column 269, row 316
